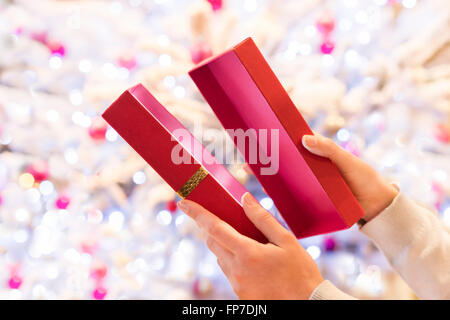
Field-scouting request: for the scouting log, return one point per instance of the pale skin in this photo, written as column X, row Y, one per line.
column 282, row 269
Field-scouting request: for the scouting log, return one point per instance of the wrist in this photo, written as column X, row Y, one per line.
column 309, row 287
column 385, row 194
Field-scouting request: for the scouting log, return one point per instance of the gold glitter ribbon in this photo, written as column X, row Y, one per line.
column 192, row 182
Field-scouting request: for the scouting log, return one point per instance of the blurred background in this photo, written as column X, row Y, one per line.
column 83, row 217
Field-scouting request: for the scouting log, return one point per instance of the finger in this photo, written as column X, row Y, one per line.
column 219, row 251
column 264, row 221
column 325, row 147
column 225, row 265
column 224, row 256
column 221, row 231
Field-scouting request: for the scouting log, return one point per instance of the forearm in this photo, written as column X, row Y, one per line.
column 416, row 244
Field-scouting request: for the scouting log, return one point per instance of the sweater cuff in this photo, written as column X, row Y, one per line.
column 327, row 291
column 396, row 226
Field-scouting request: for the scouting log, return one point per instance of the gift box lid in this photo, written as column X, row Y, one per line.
column 245, row 93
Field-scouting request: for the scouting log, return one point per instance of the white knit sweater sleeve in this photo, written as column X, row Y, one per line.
column 417, row 245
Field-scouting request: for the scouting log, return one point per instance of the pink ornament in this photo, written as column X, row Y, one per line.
column 99, row 293
column 41, row 36
column 18, row 31
column 99, row 271
column 128, row 62
column 327, row 47
column 98, row 129
column 56, row 48
column 325, row 24
column 200, row 52
column 1, row 199
column 171, row 206
column 329, row 244
column 14, row 269
column 89, row 246
column 216, row 4
column 15, row 282
column 39, row 170
column 62, row 202
column 381, row 126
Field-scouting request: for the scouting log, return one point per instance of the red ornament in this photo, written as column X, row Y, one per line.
column 171, row 206
column 15, row 282
column 99, row 293
column 442, row 133
column 327, row 47
column 325, row 24
column 56, row 48
column 200, row 52
column 62, row 202
column 39, row 170
column 98, row 129
column 216, row 4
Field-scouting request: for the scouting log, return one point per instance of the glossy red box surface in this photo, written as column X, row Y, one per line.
column 244, row 93
column 150, row 130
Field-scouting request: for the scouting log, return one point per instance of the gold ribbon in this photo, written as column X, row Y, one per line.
column 192, row 182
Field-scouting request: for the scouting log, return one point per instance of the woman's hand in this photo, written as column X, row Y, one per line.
column 370, row 189
column 281, row 269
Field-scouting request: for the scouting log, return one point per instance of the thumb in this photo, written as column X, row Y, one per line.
column 264, row 221
column 325, row 147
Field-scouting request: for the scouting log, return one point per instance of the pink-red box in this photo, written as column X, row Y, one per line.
column 244, row 93
column 151, row 131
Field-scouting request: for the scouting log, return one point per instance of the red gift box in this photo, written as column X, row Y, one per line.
column 156, row 136
column 244, row 93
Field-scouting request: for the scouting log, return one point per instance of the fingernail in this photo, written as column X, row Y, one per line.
column 183, row 206
column 248, row 199
column 309, row 141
